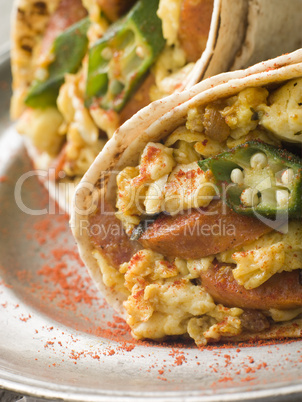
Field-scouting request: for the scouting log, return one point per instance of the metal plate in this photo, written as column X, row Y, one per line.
column 59, row 339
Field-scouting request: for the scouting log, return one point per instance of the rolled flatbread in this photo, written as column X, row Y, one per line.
column 190, row 225
column 202, row 38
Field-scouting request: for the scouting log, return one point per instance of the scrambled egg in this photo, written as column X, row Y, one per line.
column 171, row 68
column 283, row 115
column 112, row 278
column 217, row 323
column 141, row 189
column 169, row 13
column 160, row 184
column 42, row 126
column 279, row 112
column 241, row 111
column 188, row 187
column 29, row 25
column 258, row 261
column 82, row 134
column 164, row 301
column 190, row 145
column 271, row 254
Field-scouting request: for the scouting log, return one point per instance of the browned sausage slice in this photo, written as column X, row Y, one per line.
column 68, row 13
column 107, row 233
column 194, row 26
column 281, row 291
column 140, row 99
column 199, row 233
column 114, row 9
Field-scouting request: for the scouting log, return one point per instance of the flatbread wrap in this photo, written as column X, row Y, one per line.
column 83, row 67
column 191, row 226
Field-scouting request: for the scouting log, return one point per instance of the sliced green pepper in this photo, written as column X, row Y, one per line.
column 119, row 61
column 69, row 49
column 259, row 179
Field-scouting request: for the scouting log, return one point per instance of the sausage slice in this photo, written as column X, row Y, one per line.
column 140, row 99
column 107, row 233
column 281, row 291
column 194, row 26
column 114, row 9
column 199, row 233
column 68, row 13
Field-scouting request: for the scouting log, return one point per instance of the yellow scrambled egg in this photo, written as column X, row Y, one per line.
column 164, row 301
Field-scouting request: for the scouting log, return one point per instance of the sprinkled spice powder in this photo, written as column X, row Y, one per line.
column 61, row 280
column 3, row 179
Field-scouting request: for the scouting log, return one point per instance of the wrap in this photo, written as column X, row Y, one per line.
column 190, row 225
column 68, row 104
